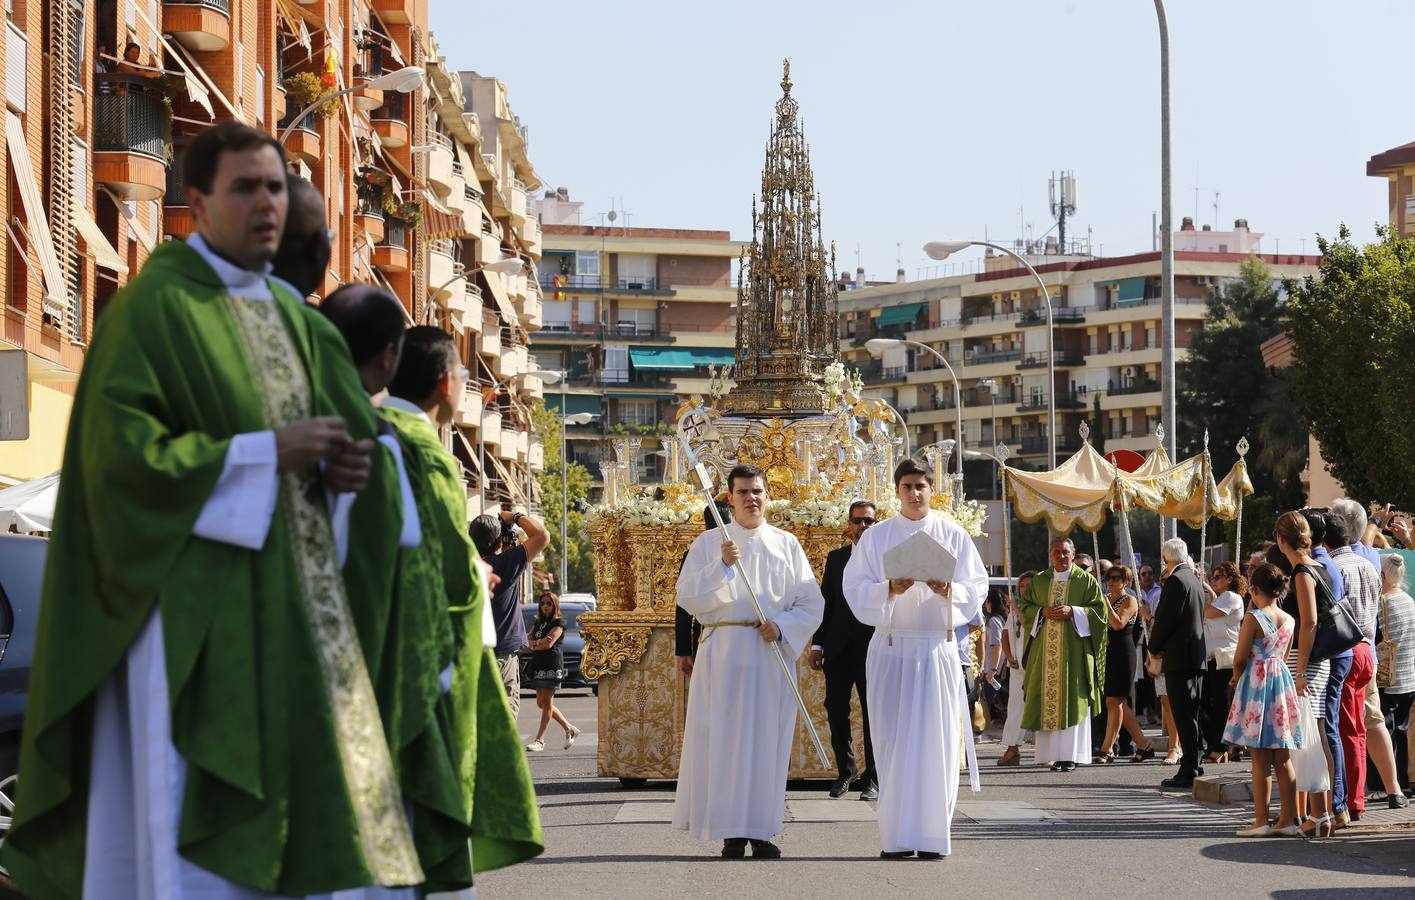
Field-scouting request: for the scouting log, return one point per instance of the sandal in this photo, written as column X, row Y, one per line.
column 570, row 734
column 1213, row 759
column 1320, row 827
column 1171, row 760
column 1144, row 755
column 1103, row 759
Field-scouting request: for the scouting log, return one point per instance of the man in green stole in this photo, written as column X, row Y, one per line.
column 1064, row 612
column 205, row 619
column 500, row 797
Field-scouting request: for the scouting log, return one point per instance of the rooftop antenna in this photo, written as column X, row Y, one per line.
column 1216, row 218
column 1061, row 190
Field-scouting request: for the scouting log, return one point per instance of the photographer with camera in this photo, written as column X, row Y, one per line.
column 496, row 541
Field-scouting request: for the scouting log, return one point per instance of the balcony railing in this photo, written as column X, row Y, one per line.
column 444, row 246
column 222, row 6
column 308, row 122
column 129, row 116
column 395, row 233
column 1137, row 387
column 1066, row 444
column 370, row 202
column 1068, row 315
column 442, row 140
column 1062, row 357
column 471, row 193
column 570, row 282
column 637, row 284
column 996, row 356
column 1064, row 400
column 176, row 193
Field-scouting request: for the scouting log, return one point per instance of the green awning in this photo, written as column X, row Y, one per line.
column 679, row 358
column 1131, row 289
column 900, row 315
column 574, row 403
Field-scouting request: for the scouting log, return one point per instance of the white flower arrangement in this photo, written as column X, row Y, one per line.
column 970, row 515
column 808, row 513
column 640, row 511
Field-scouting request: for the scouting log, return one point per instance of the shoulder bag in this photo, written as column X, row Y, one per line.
column 1385, row 650
column 1337, row 630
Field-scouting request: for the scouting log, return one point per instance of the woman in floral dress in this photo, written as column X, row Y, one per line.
column 1263, row 717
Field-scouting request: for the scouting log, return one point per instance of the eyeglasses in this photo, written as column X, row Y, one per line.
column 1120, row 578
column 862, row 520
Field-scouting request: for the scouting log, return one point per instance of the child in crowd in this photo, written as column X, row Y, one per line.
column 1264, row 716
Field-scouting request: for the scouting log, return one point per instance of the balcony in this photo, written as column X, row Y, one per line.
column 304, row 140
column 439, row 163
column 576, row 283
column 475, row 309
column 200, row 25
column 456, row 199
column 531, row 234
column 1062, row 357
column 1061, row 315
column 990, row 358
column 517, row 204
column 369, row 215
column 444, row 272
column 177, row 218
column 390, row 121
column 392, row 254
column 1035, row 446
column 1137, row 387
column 491, row 428
column 129, row 132
column 1064, row 400
column 396, row 12
column 469, row 411
column 490, row 343
column 535, row 457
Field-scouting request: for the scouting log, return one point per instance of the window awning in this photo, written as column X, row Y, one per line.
column 1131, row 289
column 900, row 315
column 679, row 358
column 98, row 245
column 56, row 292
column 575, row 403
column 498, row 294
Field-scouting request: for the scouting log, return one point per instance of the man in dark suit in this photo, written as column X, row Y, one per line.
column 840, row 647
column 1178, row 636
column 687, row 631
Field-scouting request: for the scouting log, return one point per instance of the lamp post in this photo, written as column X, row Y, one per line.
column 1167, row 376
column 991, row 385
column 548, row 376
column 565, row 422
column 945, row 249
column 507, row 265
column 404, row 80
column 877, row 346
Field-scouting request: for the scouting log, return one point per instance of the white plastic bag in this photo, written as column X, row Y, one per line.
column 1309, row 760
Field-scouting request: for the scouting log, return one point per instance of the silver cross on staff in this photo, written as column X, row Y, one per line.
column 695, row 423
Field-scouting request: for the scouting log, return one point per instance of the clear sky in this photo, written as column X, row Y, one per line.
column 945, row 119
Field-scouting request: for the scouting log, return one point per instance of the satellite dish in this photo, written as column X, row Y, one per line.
column 613, row 215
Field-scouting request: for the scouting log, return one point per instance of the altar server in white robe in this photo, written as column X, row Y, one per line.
column 741, row 711
column 914, row 671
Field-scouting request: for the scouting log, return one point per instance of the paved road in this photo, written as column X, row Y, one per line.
column 1101, row 832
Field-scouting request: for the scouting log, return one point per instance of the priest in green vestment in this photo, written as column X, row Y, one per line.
column 439, row 576
column 423, row 397
column 201, row 716
column 1065, row 613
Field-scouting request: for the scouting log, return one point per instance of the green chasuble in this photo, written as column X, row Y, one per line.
column 289, row 784
column 505, row 822
column 1064, row 671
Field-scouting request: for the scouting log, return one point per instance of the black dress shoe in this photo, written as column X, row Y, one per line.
column 734, row 848
column 1056, row 767
column 1397, row 801
column 839, row 787
column 1181, row 782
column 1066, row 767
column 895, row 854
column 765, row 850
column 929, row 854
column 870, row 792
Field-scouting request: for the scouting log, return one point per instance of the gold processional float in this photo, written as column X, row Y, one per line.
column 790, row 407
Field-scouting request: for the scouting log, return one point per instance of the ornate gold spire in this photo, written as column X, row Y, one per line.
column 787, row 317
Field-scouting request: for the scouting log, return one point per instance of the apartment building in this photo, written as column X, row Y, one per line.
column 418, row 195
column 1397, row 166
column 635, row 316
column 991, row 326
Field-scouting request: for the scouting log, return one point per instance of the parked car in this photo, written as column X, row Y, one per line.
column 21, row 580
column 586, row 600
column 573, row 647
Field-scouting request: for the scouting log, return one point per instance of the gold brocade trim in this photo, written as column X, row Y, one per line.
column 1053, row 661
column 614, row 638
column 383, row 833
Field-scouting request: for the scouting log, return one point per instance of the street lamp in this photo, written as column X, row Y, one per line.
column 404, row 80
column 991, row 385
column 945, row 249
column 546, row 376
column 508, row 265
column 583, row 418
column 1167, row 377
column 877, row 346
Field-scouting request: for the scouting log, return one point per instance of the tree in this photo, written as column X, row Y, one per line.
column 580, row 571
column 1353, row 333
column 1227, row 389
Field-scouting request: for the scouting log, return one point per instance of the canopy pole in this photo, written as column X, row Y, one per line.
column 1204, row 486
column 1242, row 448
column 1127, row 543
column 1096, row 550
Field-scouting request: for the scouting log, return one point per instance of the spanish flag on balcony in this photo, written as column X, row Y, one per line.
column 560, row 282
column 330, row 77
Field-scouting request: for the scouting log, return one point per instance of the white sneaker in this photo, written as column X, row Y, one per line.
column 535, row 746
column 570, row 736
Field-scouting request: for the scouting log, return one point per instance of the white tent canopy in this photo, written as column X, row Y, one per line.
column 29, row 506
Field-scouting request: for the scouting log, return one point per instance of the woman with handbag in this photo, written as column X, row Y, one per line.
column 1223, row 617
column 1121, row 660
column 1314, row 675
column 1395, row 665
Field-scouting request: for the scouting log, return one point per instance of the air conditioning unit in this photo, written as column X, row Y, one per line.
column 1016, row 295
column 1016, row 379
column 1129, row 371
column 996, row 297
